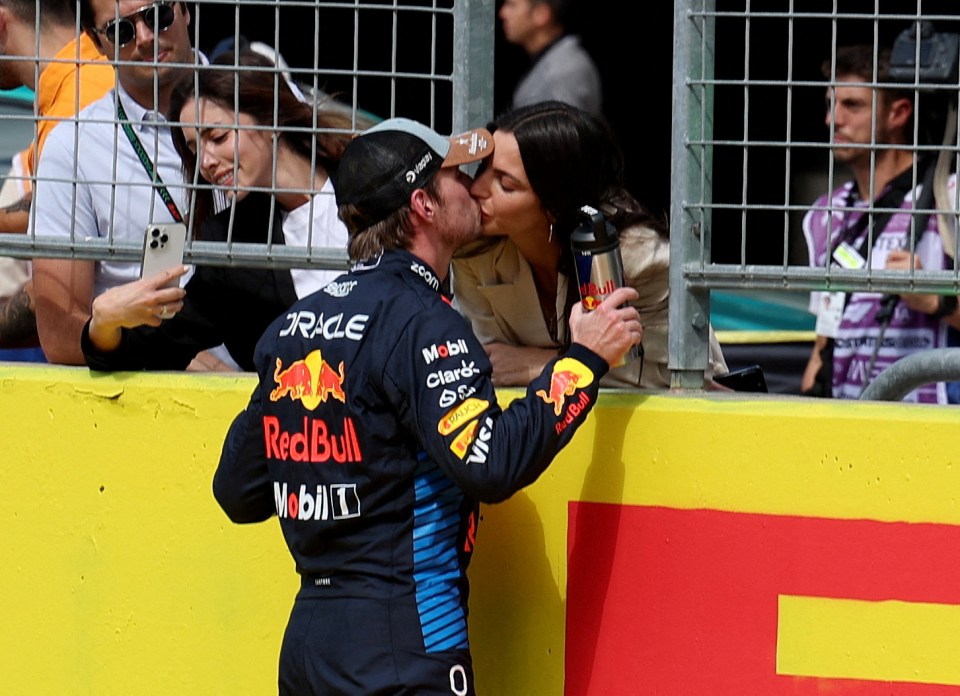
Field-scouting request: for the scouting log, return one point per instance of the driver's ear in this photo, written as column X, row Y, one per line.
column 422, row 204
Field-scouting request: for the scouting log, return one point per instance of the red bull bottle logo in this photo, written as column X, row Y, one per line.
column 310, row 381
column 592, row 294
column 590, row 302
column 568, row 375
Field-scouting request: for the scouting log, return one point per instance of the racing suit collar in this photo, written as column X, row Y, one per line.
column 405, row 263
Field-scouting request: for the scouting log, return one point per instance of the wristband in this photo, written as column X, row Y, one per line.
column 946, row 306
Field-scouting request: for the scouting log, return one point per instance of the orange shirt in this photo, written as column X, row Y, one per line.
column 57, row 97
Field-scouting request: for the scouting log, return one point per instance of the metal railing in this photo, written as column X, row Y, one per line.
column 742, row 79
column 428, row 61
column 751, row 154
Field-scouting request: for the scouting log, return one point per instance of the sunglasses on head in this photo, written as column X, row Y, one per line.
column 158, row 16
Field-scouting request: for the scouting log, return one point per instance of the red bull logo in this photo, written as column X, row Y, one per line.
column 309, row 381
column 590, row 302
column 592, row 294
column 573, row 412
column 568, row 375
column 316, row 442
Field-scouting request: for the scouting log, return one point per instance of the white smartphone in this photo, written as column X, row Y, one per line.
column 163, row 249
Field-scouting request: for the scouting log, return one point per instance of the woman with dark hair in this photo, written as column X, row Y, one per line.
column 549, row 160
column 270, row 153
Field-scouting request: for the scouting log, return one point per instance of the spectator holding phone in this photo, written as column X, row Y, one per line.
column 267, row 143
column 518, row 288
column 40, row 50
column 91, row 181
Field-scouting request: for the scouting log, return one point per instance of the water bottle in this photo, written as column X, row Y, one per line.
column 596, row 255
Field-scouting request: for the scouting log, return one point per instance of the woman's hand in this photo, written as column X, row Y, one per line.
column 142, row 302
column 516, row 366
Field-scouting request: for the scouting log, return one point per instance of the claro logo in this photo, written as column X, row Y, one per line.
column 441, row 377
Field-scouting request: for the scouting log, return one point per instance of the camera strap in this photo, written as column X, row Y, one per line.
column 897, row 190
column 893, row 197
column 889, row 302
column 144, row 158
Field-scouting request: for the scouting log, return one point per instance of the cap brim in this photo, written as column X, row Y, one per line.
column 472, row 146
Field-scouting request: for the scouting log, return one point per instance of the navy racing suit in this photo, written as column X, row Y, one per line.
column 373, row 434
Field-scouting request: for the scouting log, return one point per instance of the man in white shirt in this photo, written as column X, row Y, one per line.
column 126, row 178
column 40, row 50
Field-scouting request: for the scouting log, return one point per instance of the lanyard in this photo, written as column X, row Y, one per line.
column 147, row 164
column 893, row 197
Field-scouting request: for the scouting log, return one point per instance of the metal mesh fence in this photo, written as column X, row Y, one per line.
column 750, row 154
column 753, row 150
column 367, row 61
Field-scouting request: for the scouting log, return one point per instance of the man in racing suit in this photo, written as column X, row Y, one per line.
column 374, row 432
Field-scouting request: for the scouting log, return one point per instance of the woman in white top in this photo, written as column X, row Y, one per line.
column 271, row 156
column 517, row 288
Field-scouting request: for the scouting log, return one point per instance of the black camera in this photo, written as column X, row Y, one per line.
column 939, row 55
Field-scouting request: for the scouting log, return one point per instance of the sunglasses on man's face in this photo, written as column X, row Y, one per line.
column 158, row 17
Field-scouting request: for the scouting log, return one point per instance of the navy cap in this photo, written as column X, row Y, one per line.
column 382, row 166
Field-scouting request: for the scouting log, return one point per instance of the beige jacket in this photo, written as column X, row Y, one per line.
column 496, row 292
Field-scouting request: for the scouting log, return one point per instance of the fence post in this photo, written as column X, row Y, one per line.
column 690, row 188
column 473, row 25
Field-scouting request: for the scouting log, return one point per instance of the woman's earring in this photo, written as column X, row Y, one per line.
column 550, row 237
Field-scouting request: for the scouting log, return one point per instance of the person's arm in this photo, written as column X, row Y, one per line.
column 814, row 363
column 63, row 291
column 207, row 361
column 241, row 483
column 516, row 366
column 18, row 322
column 63, row 288
column 921, row 302
column 127, row 333
column 492, row 453
column 15, row 217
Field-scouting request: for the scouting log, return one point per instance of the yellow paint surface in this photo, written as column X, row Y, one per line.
column 121, row 574
column 883, row 641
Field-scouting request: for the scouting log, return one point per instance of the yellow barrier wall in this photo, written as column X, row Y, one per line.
column 121, row 575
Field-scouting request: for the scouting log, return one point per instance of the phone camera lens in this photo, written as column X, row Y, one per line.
column 154, row 244
column 154, row 232
column 163, row 239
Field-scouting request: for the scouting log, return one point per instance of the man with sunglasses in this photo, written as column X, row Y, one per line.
column 127, row 177
column 71, row 73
